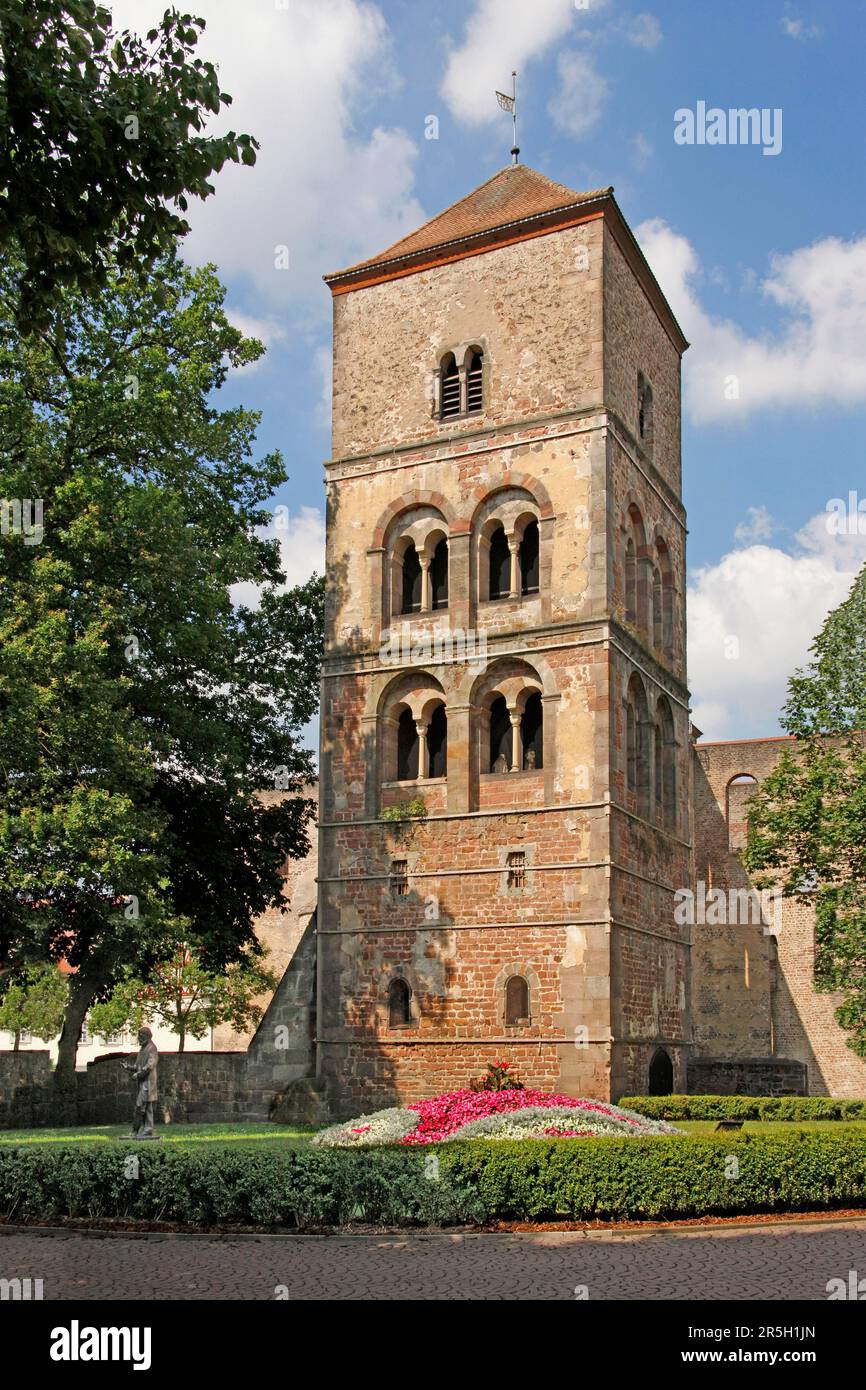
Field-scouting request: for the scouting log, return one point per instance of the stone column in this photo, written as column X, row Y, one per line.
column 426, row 603
column 423, row 758
column 516, row 741
column 514, row 551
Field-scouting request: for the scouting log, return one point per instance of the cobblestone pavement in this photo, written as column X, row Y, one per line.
column 780, row 1263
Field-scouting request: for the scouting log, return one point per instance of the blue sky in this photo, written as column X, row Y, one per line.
column 763, row 256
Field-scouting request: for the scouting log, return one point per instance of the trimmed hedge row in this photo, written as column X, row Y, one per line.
column 455, row 1183
column 745, row 1107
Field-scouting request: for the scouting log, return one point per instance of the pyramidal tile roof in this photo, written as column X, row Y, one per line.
column 512, row 195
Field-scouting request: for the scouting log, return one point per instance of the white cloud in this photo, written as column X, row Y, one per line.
column 772, row 603
column 268, row 332
column 577, row 104
column 499, row 35
column 323, row 363
column 302, row 551
column 642, row 151
column 758, row 526
column 799, row 29
column 644, row 31
column 817, row 356
column 301, row 78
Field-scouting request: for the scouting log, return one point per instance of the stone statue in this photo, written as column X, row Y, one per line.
column 501, row 764
column 144, row 1070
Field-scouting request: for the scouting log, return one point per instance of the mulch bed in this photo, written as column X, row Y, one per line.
column 115, row 1226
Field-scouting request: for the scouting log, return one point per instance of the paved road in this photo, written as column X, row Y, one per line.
column 780, row 1263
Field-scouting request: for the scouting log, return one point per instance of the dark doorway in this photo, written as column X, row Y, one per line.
column 661, row 1074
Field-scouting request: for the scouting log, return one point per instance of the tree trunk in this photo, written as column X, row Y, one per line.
column 180, row 1039
column 17, row 1043
column 81, row 995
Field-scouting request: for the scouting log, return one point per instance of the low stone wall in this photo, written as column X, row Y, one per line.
column 194, row 1088
column 748, row 1076
column 25, row 1079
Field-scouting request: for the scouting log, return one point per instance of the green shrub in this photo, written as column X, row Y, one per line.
column 662, row 1177
column 745, row 1107
column 299, row 1188
column 460, row 1182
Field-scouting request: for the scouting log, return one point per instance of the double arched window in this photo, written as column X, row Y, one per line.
column 509, row 552
column 422, row 746
column 417, row 563
column 461, row 383
column 648, row 584
column 413, row 730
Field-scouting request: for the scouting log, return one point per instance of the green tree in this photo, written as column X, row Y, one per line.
column 807, row 822
column 140, row 710
column 33, row 1001
column 101, row 142
column 187, row 998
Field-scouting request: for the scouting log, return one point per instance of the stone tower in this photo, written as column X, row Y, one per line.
column 505, row 653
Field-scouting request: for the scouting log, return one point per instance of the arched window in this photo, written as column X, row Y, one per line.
column 637, row 746
column 450, row 387
column 644, row 409
column 437, row 743
column 407, row 747
column 529, row 559
column 399, row 1004
column 739, row 790
column 665, row 764
column 411, row 581
column 661, row 1074
column 532, row 733
column 500, row 736
column 439, row 575
column 517, row 1000
column 475, row 382
column 630, row 581
column 663, row 602
column 658, row 617
column 500, row 564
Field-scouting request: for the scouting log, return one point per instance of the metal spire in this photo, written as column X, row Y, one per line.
column 509, row 103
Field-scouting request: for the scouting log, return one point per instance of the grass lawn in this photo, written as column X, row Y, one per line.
column 258, row 1135
column 255, row 1135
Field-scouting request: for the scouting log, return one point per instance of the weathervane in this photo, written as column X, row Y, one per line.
column 509, row 103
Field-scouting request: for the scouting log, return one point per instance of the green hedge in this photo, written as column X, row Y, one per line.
column 455, row 1183
column 745, row 1107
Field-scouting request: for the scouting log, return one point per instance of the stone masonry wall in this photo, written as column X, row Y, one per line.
column 754, row 988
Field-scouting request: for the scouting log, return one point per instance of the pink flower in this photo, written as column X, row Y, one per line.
column 363, row 1129
column 442, row 1115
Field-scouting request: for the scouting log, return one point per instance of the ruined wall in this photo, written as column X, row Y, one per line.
column 753, row 992
column 280, row 932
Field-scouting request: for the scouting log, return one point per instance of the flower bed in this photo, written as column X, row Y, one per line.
column 510, row 1114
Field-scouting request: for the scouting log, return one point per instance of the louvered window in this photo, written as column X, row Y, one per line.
column 474, row 382
column 450, row 388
